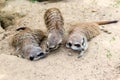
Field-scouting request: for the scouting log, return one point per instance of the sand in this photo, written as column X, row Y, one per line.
column 100, row 62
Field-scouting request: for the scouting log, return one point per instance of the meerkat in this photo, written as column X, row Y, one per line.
column 81, row 33
column 54, row 23
column 26, row 42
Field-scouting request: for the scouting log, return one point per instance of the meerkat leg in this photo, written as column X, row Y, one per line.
column 81, row 54
column 104, row 30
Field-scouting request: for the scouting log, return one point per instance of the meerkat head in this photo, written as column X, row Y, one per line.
column 54, row 41
column 76, row 42
column 33, row 53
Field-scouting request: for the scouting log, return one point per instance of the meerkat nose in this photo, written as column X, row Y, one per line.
column 31, row 58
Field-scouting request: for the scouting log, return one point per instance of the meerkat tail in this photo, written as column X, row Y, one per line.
column 106, row 22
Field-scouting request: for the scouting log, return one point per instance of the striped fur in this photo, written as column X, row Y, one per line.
column 27, row 43
column 53, row 19
column 54, row 23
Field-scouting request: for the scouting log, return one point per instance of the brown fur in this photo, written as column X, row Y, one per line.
column 81, row 33
column 53, row 19
column 26, row 40
column 90, row 29
column 54, row 23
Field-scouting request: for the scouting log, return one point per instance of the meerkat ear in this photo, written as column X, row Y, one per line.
column 84, row 42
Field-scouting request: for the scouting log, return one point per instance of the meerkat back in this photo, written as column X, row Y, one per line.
column 54, row 23
column 90, row 30
column 53, row 19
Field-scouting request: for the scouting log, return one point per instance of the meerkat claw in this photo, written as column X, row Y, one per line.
column 69, row 54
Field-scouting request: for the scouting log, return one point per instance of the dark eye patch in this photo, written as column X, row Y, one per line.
column 83, row 41
column 50, row 48
column 77, row 45
column 69, row 44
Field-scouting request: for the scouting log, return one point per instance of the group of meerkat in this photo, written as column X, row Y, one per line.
column 27, row 42
column 48, row 0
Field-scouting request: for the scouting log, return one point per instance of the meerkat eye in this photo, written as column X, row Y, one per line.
column 69, row 44
column 50, row 48
column 21, row 28
column 77, row 45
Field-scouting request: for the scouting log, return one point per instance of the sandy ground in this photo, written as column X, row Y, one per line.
column 100, row 62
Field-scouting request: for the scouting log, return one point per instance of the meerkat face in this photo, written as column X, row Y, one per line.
column 54, row 41
column 77, row 43
column 33, row 53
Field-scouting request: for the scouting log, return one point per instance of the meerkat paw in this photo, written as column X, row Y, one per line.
column 69, row 54
column 81, row 54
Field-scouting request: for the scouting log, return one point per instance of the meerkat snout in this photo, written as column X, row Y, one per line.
column 77, row 43
column 75, row 46
column 54, row 41
column 39, row 56
column 52, row 46
column 34, row 53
